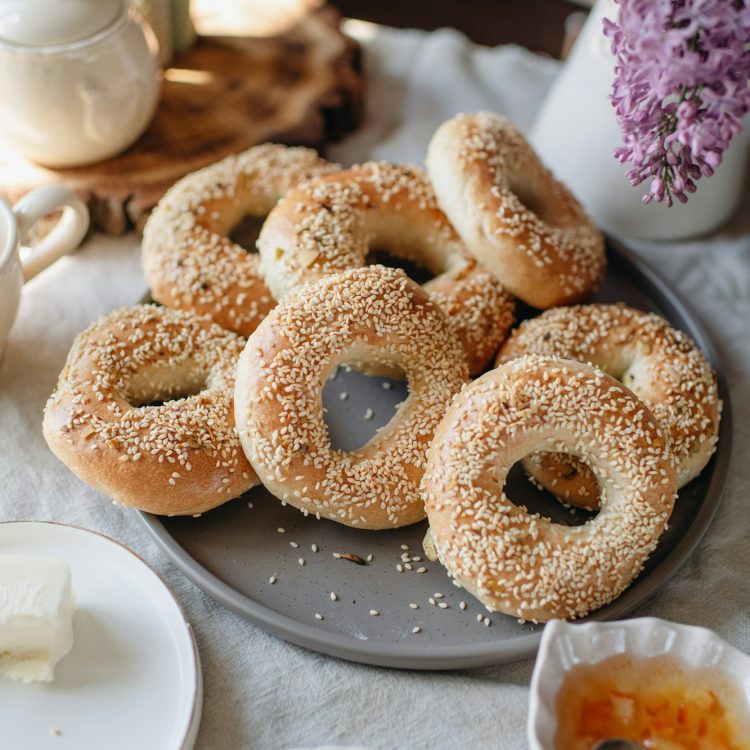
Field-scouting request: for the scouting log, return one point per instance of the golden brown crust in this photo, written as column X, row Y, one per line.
column 372, row 314
column 514, row 216
column 188, row 259
column 181, row 457
column 522, row 564
column 661, row 365
column 329, row 225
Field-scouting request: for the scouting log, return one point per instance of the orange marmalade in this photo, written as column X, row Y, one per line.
column 657, row 701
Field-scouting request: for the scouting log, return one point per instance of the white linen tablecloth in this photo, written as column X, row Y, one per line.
column 261, row 692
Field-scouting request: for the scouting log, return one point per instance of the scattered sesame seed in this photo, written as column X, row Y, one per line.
column 400, row 568
column 343, row 396
column 281, row 530
column 438, row 595
column 318, row 616
column 479, row 618
column 462, row 606
column 272, row 580
column 301, row 561
column 421, row 570
column 314, row 547
column 417, row 629
column 334, row 596
column 370, row 558
column 405, row 546
column 374, row 612
column 443, row 605
column 487, row 622
column 386, row 386
column 414, row 606
column 250, row 505
column 294, row 544
column 337, row 555
column 369, row 414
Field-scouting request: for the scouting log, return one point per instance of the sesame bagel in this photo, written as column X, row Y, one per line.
column 189, row 260
column 371, row 314
column 330, row 224
column 522, row 564
column 514, row 216
column 661, row 365
column 179, row 457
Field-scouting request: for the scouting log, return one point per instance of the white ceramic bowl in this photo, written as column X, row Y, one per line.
column 565, row 645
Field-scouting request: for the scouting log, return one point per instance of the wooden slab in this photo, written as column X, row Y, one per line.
column 301, row 85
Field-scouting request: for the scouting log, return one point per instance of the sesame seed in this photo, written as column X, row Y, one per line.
column 301, row 561
column 370, row 558
column 443, row 605
column 416, row 629
column 399, row 567
column 386, row 386
column 404, row 546
column 421, row 570
column 334, row 596
column 318, row 616
column 487, row 622
column 343, row 396
column 314, row 547
column 374, row 612
column 281, row 530
column 413, row 605
column 294, row 544
column 462, row 606
column 272, row 580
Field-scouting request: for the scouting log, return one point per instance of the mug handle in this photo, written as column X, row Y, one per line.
column 64, row 237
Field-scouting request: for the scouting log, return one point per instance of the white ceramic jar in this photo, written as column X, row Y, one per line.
column 576, row 132
column 79, row 79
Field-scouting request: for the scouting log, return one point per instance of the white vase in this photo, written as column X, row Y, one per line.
column 576, row 132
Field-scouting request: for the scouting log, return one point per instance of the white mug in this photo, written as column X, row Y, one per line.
column 15, row 226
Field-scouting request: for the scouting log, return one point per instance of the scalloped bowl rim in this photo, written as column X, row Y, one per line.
column 566, row 644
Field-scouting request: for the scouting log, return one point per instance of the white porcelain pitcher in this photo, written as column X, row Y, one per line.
column 576, row 132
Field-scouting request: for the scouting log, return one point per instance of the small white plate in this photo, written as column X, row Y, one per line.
column 133, row 678
column 567, row 644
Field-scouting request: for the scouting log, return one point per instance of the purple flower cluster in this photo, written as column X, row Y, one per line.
column 682, row 86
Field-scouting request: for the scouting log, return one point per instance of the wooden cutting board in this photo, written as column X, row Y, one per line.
column 300, row 83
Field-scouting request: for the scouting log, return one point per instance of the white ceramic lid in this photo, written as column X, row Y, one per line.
column 46, row 23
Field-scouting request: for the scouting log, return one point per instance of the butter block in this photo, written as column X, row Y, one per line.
column 36, row 616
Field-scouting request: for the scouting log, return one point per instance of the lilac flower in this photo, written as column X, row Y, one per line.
column 681, row 88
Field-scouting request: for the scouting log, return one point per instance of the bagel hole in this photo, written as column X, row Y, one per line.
column 525, row 492
column 532, row 201
column 158, row 386
column 246, row 233
column 384, row 257
column 358, row 405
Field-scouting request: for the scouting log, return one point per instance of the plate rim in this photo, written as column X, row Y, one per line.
column 462, row 656
column 190, row 733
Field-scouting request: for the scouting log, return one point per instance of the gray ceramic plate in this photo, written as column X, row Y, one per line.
column 232, row 552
